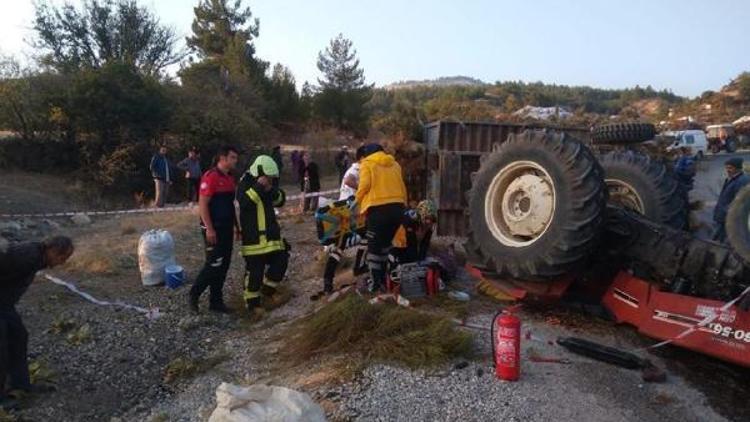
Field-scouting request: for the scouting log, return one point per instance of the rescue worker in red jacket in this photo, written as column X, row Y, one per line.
column 266, row 253
column 219, row 227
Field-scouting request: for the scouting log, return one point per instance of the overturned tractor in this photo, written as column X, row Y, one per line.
column 545, row 211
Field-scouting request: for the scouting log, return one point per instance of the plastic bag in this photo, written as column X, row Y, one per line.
column 264, row 403
column 155, row 252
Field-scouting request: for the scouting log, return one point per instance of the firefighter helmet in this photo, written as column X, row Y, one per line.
column 264, row 166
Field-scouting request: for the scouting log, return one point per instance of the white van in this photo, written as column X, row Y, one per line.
column 695, row 140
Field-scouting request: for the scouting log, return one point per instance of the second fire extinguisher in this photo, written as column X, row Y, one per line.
column 506, row 345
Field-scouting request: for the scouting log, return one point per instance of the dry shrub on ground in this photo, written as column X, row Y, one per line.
column 385, row 333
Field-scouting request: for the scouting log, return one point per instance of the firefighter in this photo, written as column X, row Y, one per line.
column 19, row 264
column 218, row 222
column 412, row 241
column 266, row 253
column 381, row 195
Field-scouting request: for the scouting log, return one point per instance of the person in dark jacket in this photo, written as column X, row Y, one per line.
column 266, row 253
column 309, row 181
column 219, row 226
column 736, row 180
column 279, row 160
column 19, row 264
column 296, row 158
column 342, row 161
column 160, row 172
column 192, row 168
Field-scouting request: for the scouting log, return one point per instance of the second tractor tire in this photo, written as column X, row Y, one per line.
column 646, row 186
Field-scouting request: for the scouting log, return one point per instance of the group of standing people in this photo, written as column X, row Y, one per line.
column 161, row 171
column 265, row 251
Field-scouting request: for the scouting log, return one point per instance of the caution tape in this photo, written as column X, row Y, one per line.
column 707, row 320
column 142, row 210
column 152, row 313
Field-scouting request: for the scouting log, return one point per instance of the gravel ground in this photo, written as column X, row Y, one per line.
column 117, row 373
column 582, row 390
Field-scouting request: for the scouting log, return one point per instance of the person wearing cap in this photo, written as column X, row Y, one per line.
column 19, row 264
column 266, row 253
column 219, row 226
column 736, row 180
column 191, row 165
column 381, row 196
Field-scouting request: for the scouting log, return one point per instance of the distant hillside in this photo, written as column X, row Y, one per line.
column 403, row 106
column 439, row 82
column 731, row 102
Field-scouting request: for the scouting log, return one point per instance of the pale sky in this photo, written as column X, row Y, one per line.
column 688, row 46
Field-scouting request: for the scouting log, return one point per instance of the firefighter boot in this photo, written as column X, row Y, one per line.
column 273, row 298
column 254, row 310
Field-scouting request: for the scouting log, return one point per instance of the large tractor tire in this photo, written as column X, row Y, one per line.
column 738, row 224
column 623, row 133
column 646, row 186
column 536, row 207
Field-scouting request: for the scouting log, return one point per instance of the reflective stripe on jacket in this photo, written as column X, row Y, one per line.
column 261, row 232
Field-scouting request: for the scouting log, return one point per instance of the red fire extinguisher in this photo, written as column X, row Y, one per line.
column 506, row 345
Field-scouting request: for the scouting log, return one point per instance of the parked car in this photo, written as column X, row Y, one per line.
column 695, row 140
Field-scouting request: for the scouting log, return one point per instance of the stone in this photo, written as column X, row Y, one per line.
column 81, row 219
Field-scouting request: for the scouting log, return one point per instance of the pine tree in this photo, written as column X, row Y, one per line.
column 342, row 91
column 340, row 66
column 224, row 33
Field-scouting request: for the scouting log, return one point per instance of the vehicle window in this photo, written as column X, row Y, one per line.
column 689, row 139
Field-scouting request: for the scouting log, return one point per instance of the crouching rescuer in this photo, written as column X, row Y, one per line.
column 266, row 253
column 381, row 195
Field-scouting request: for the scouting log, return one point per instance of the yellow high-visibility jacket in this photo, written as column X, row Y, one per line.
column 380, row 182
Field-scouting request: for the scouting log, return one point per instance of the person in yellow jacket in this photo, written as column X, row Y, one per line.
column 381, row 196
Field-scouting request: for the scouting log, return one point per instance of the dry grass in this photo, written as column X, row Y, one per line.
column 185, row 367
column 40, row 372
column 110, row 247
column 385, row 333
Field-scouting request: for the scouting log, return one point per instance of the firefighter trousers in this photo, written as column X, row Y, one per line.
column 263, row 273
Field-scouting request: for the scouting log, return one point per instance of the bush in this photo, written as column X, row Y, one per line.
column 39, row 155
